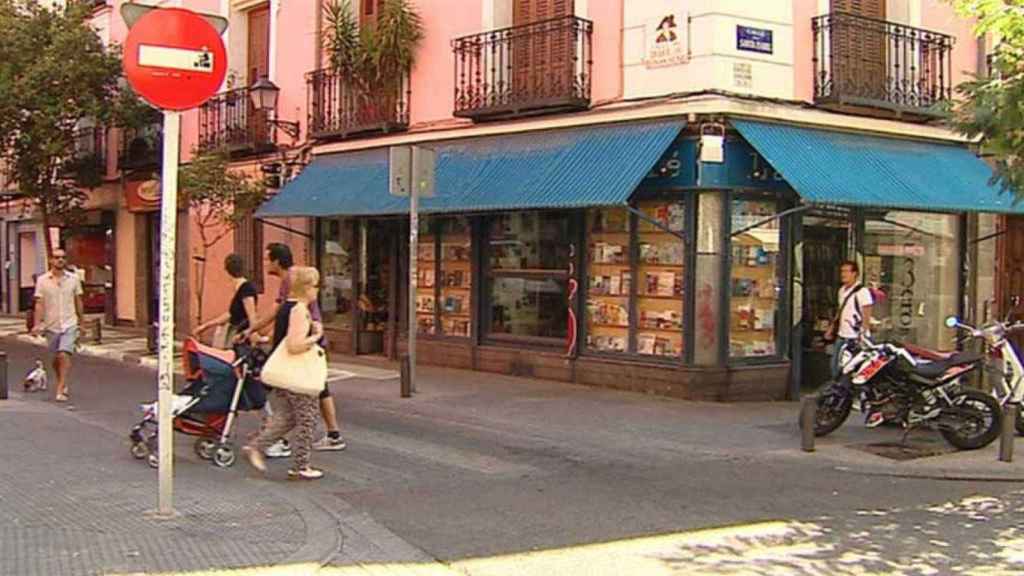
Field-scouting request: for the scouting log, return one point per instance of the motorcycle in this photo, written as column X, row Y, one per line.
column 1006, row 361
column 911, row 391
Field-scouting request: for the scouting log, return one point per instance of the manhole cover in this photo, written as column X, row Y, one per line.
column 908, row 451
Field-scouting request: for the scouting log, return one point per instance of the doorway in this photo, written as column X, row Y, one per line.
column 376, row 275
column 827, row 241
column 1010, row 280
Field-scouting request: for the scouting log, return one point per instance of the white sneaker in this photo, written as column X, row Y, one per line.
column 279, row 449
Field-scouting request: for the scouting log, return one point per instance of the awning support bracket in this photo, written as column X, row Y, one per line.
column 285, row 228
column 656, row 223
column 764, row 221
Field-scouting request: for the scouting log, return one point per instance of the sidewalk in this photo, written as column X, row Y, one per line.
column 80, row 508
column 129, row 345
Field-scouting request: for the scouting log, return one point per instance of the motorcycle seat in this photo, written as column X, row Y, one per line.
column 928, row 353
column 936, row 369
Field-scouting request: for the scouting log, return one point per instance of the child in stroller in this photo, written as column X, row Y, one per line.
column 219, row 384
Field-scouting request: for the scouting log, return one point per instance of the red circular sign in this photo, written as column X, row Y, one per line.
column 174, row 58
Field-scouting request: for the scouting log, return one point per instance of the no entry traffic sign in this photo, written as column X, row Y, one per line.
column 174, row 58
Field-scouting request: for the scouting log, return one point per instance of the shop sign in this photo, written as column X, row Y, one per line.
column 751, row 39
column 912, row 250
column 666, row 41
column 142, row 196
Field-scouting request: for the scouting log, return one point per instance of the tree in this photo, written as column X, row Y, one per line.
column 991, row 106
column 55, row 73
column 219, row 199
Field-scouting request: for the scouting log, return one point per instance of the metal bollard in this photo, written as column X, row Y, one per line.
column 808, row 413
column 1008, row 432
column 406, row 380
column 3, row 375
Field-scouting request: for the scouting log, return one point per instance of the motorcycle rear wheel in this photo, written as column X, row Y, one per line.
column 980, row 414
column 833, row 410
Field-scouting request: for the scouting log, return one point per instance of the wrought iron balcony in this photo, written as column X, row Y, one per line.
column 537, row 68
column 864, row 62
column 342, row 106
column 229, row 121
column 142, row 147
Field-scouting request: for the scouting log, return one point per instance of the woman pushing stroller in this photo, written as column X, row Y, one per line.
column 294, row 411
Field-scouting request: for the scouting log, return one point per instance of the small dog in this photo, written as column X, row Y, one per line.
column 36, row 379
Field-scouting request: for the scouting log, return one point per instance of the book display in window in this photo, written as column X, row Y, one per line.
column 426, row 321
column 608, row 293
column 660, row 279
column 456, row 280
column 754, row 287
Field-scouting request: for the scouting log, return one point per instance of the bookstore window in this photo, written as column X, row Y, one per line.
column 336, row 292
column 609, row 269
column 455, row 278
column 426, row 273
column 754, row 286
column 661, row 273
column 529, row 254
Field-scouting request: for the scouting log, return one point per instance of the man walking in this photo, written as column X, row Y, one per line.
column 58, row 314
column 280, row 262
column 852, row 320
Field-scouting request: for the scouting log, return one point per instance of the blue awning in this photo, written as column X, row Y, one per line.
column 568, row 168
column 830, row 167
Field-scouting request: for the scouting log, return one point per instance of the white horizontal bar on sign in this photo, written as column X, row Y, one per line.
column 176, row 58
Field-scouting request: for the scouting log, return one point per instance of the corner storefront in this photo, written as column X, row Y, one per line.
column 667, row 269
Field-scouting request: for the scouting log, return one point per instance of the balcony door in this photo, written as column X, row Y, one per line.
column 258, row 57
column 543, row 49
column 859, row 49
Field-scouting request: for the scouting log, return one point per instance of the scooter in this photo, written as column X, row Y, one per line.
column 1010, row 385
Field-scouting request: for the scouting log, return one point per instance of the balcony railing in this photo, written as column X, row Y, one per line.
column 535, row 68
column 341, row 106
column 873, row 63
column 142, row 147
column 229, row 121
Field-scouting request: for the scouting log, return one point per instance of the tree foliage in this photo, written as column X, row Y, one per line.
column 55, row 72
column 992, row 106
column 219, row 199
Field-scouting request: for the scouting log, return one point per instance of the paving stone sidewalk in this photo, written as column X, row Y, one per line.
column 83, row 507
column 129, row 345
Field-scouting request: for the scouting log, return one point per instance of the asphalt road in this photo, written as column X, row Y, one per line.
column 475, row 475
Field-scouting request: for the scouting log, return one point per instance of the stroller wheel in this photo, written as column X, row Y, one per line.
column 204, row 448
column 139, row 450
column 153, row 461
column 224, row 457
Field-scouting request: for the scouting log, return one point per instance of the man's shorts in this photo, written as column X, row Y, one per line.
column 63, row 341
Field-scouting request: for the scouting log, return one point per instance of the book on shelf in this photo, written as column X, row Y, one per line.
column 607, row 343
column 425, row 324
column 456, row 252
column 456, row 327
column 425, row 251
column 454, row 279
column 453, row 304
column 424, row 303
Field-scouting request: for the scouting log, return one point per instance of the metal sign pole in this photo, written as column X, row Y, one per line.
column 165, row 374
column 414, row 235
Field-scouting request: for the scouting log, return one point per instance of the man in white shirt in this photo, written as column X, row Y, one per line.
column 854, row 315
column 58, row 313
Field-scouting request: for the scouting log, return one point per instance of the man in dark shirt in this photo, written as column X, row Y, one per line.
column 281, row 261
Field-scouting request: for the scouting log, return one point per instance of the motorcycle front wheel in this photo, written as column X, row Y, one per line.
column 834, row 404
column 976, row 420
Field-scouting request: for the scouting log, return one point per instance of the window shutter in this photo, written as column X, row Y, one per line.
column 249, row 245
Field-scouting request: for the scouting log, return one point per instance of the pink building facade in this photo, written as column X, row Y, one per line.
column 626, row 193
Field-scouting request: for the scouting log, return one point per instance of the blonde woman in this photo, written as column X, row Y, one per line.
column 295, row 413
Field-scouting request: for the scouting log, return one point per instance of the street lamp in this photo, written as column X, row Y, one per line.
column 264, row 95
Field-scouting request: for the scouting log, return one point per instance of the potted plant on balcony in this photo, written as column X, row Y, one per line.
column 372, row 61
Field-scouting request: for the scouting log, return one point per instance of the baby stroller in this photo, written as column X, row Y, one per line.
column 220, row 383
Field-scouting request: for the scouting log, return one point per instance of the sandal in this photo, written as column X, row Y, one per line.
column 255, row 458
column 62, row 398
column 307, row 473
